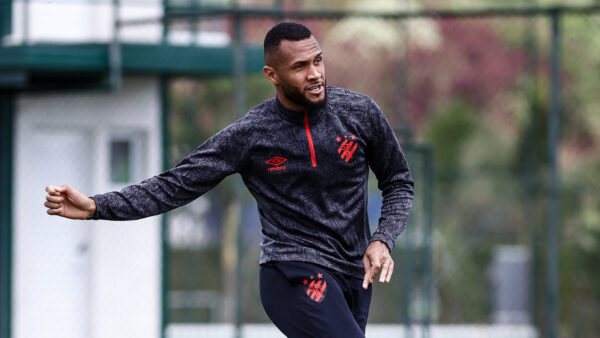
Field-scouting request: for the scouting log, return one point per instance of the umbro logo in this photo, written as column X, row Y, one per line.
column 276, row 163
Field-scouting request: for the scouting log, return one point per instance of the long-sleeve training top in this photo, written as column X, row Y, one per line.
column 308, row 172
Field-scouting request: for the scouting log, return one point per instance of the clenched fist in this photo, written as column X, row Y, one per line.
column 69, row 202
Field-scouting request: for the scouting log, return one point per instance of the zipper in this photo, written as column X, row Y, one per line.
column 311, row 146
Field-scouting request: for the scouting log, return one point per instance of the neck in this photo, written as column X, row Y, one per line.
column 289, row 104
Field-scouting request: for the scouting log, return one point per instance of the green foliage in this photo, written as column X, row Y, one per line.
column 198, row 109
column 478, row 92
column 191, row 270
column 465, row 298
column 448, row 131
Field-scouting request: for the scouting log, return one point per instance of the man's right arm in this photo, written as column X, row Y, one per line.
column 199, row 172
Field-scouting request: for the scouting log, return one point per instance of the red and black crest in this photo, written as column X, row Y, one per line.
column 348, row 146
column 316, row 288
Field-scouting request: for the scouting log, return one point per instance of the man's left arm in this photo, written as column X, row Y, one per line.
column 389, row 164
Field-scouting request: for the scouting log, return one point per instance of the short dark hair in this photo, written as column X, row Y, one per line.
column 285, row 31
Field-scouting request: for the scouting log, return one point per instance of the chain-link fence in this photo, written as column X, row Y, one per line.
column 471, row 95
column 477, row 90
column 70, row 277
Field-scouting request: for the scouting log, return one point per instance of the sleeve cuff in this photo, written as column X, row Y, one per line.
column 96, row 199
column 386, row 240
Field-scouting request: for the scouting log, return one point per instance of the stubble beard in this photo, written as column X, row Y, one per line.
column 296, row 96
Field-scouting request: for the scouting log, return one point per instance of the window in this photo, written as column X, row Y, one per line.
column 126, row 158
column 120, row 161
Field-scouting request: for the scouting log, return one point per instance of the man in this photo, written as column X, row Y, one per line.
column 305, row 157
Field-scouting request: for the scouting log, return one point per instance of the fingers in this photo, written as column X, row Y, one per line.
column 54, row 199
column 384, row 269
column 51, row 189
column 383, row 274
column 57, row 194
column 57, row 211
column 51, row 205
column 387, row 268
column 377, row 259
column 367, row 278
column 54, row 190
column 372, row 267
column 375, row 267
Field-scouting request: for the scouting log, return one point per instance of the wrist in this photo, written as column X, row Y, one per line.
column 381, row 243
column 389, row 241
column 91, row 208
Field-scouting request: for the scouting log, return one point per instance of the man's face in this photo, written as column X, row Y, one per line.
column 300, row 74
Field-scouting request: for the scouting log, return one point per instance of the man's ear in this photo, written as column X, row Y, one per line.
column 271, row 75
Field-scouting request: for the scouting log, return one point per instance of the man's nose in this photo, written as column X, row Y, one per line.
column 313, row 72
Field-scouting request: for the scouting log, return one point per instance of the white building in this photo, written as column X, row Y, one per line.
column 63, row 119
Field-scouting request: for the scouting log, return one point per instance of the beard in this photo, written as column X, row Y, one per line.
column 297, row 97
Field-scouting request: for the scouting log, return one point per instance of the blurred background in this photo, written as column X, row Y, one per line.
column 496, row 106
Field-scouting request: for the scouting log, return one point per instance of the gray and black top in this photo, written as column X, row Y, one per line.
column 308, row 173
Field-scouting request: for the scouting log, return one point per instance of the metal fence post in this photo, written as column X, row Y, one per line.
column 553, row 177
column 407, row 274
column 164, row 224
column 114, row 49
column 240, row 105
column 7, row 129
column 428, row 222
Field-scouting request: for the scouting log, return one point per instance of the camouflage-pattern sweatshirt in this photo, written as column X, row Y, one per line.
column 307, row 171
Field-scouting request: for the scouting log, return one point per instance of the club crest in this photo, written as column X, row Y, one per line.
column 347, row 147
column 316, row 288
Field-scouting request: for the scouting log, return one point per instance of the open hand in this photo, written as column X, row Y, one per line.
column 377, row 257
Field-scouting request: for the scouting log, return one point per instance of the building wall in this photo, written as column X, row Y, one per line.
column 85, row 278
column 67, row 21
column 81, row 21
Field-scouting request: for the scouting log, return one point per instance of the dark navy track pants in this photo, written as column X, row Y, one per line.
column 307, row 300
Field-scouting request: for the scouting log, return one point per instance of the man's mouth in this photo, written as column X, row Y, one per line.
column 315, row 89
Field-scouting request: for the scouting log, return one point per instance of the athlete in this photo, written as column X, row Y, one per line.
column 305, row 157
